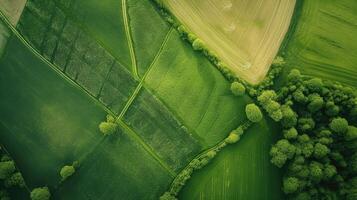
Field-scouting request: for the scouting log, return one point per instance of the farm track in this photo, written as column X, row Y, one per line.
column 142, row 81
column 129, row 40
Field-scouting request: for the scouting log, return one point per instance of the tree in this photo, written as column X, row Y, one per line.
column 306, row 124
column 232, row 138
column 320, row 150
column 282, row 151
column 339, row 125
column 15, row 179
column 237, row 89
column 108, row 128
column 197, row 44
column 294, row 76
column 290, row 185
column 314, row 85
column 6, row 169
column 331, row 109
column 41, row 193
column 289, row 118
column 351, row 133
column 290, row 133
column 316, row 172
column 329, row 171
column 67, row 171
column 316, row 102
column 253, row 113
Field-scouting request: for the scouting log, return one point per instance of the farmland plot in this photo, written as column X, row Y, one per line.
column 246, row 35
column 324, row 42
column 117, row 57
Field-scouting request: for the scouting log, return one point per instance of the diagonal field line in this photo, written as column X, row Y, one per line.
column 129, row 39
column 140, row 85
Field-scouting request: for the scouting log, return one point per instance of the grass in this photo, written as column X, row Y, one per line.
column 324, row 43
column 245, row 35
column 240, row 171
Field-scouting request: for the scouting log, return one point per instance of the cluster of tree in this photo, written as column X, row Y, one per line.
column 68, row 170
column 318, row 149
column 10, row 177
column 109, row 127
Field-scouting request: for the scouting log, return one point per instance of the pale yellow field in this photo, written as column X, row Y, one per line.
column 245, row 34
column 12, row 9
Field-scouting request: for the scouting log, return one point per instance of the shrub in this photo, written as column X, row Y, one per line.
column 41, row 193
column 67, row 171
column 237, row 89
column 253, row 113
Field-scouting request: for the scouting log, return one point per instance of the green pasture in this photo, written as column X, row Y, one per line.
column 323, row 42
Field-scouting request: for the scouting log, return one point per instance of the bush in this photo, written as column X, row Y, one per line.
column 253, row 113
column 41, row 193
column 67, row 171
column 237, row 89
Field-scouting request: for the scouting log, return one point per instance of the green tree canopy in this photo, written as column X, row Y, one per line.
column 253, row 113
column 339, row 125
column 237, row 88
column 67, row 171
column 41, row 193
column 6, row 169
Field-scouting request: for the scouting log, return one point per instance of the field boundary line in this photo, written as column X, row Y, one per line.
column 148, row 148
column 141, row 83
column 129, row 40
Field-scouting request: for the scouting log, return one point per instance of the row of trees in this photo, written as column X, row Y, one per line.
column 318, row 150
column 253, row 114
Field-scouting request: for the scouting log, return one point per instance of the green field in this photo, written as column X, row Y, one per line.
column 324, row 42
